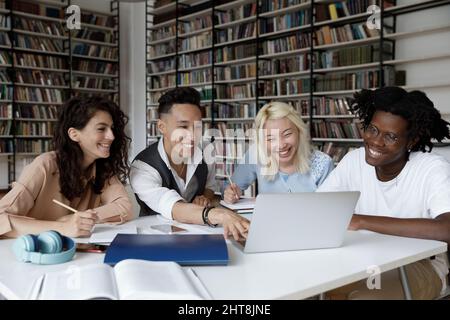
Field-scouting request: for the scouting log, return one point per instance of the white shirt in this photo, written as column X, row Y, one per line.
column 147, row 182
column 421, row 190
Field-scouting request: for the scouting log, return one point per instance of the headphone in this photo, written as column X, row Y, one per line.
column 45, row 248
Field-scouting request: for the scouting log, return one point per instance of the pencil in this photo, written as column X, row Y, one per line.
column 64, row 205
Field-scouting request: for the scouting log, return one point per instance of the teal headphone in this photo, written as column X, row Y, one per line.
column 45, row 248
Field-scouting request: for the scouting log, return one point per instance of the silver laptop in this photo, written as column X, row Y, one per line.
column 296, row 221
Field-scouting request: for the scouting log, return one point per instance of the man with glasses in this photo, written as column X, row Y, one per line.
column 405, row 190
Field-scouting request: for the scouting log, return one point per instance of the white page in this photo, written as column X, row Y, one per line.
column 94, row 281
column 105, row 233
column 139, row 279
column 243, row 203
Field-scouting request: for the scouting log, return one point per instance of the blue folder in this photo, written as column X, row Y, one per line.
column 188, row 250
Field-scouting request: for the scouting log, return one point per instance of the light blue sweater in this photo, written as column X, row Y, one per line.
column 245, row 174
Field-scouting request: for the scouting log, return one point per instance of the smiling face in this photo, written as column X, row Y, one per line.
column 386, row 141
column 95, row 138
column 282, row 139
column 179, row 128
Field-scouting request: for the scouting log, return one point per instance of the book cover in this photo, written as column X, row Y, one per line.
column 191, row 249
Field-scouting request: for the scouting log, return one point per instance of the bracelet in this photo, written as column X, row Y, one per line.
column 203, row 215
column 207, row 210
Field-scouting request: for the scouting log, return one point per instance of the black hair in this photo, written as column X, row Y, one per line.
column 76, row 113
column 424, row 120
column 178, row 95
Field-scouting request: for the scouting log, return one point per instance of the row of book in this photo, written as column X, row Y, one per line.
column 5, row 110
column 95, row 35
column 194, row 25
column 98, row 19
column 96, row 51
column 39, row 61
column 237, row 13
column 162, row 32
column 6, row 146
column 162, row 49
column 39, row 26
column 4, row 39
column 336, row 129
column 33, row 146
column 232, row 110
column 93, row 82
column 6, row 92
column 330, row 106
column 40, row 77
column 336, row 10
column 272, row 5
column 233, row 130
column 5, row 21
column 198, row 41
column 236, row 32
column 38, row 9
column 25, row 146
column 285, row 21
column 106, row 68
column 336, row 151
column 35, row 43
column 284, row 86
column 6, row 128
column 34, row 128
column 354, row 80
column 162, row 81
column 36, row 112
column 236, row 71
column 351, row 56
column 29, row 111
column 39, row 94
column 5, row 58
column 152, row 129
column 193, row 77
column 4, row 77
column 161, row 65
column 284, row 65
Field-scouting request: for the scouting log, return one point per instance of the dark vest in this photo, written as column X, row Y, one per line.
column 151, row 156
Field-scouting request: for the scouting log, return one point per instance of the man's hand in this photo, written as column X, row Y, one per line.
column 232, row 193
column 201, row 201
column 233, row 224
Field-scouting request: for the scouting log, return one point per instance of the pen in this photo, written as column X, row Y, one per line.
column 64, row 205
column 231, row 183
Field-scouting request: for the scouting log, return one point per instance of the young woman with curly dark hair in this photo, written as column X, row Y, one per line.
column 405, row 189
column 86, row 171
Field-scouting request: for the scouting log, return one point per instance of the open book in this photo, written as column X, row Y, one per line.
column 129, row 279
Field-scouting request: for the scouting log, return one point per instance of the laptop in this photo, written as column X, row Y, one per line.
column 297, row 221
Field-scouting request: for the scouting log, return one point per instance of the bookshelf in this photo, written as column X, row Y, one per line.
column 42, row 64
column 312, row 54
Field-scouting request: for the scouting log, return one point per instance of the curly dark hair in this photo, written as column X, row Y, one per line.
column 425, row 122
column 76, row 113
column 178, row 95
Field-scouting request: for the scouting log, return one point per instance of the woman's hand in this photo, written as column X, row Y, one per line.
column 79, row 224
column 233, row 224
column 232, row 193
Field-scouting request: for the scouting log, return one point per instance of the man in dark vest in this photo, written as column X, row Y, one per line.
column 171, row 177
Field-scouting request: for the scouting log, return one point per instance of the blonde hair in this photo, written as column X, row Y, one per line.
column 274, row 111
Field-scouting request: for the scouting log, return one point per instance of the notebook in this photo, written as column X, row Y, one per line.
column 243, row 205
column 129, row 279
column 187, row 249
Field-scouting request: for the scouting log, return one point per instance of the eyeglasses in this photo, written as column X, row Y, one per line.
column 372, row 132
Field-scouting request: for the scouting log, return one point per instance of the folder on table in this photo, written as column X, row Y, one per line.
column 192, row 249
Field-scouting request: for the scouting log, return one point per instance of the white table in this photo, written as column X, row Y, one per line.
column 278, row 275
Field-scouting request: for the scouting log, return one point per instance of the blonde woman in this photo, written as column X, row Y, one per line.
column 282, row 159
